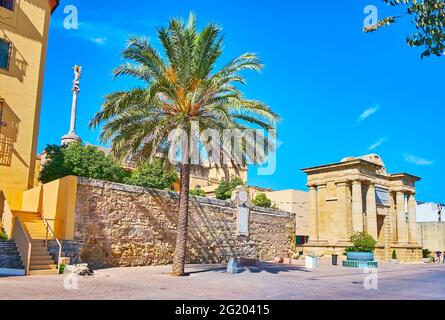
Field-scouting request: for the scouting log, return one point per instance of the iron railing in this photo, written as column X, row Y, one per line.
column 48, row 231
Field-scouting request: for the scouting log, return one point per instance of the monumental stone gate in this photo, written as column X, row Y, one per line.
column 355, row 195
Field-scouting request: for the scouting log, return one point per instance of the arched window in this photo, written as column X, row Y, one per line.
column 7, row 4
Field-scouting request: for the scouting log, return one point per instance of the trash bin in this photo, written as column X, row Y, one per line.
column 335, row 259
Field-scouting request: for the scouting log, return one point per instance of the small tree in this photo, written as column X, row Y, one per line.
column 225, row 189
column 394, row 255
column 428, row 17
column 261, row 200
column 55, row 167
column 82, row 161
column 156, row 175
column 363, row 242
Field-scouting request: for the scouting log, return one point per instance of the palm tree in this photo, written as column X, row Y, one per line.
column 179, row 88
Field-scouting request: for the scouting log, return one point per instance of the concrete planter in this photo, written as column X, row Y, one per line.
column 362, row 260
column 360, row 256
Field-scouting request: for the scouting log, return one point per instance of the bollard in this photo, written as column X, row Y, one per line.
column 232, row 267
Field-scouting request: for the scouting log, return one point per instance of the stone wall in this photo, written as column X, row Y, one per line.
column 118, row 225
column 432, row 235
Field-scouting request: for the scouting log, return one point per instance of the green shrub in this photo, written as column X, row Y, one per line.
column 82, row 161
column 426, row 253
column 198, row 192
column 3, row 236
column 363, row 242
column 156, row 175
column 62, row 268
column 225, row 189
column 88, row 161
column 394, row 255
column 261, row 200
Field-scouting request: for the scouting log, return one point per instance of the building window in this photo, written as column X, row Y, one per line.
column 7, row 4
column 382, row 196
column 5, row 52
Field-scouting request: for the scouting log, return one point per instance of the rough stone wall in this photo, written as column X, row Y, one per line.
column 70, row 249
column 119, row 225
column 9, row 256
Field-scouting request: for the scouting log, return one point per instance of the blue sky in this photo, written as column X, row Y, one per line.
column 339, row 91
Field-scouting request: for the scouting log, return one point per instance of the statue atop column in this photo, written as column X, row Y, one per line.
column 71, row 136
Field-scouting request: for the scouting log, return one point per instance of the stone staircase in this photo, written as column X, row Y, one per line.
column 41, row 262
column 9, row 256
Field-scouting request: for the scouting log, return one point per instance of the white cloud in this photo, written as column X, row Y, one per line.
column 377, row 144
column 417, row 160
column 367, row 113
column 99, row 40
column 110, row 32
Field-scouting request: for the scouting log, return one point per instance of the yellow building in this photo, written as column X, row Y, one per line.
column 295, row 201
column 24, row 28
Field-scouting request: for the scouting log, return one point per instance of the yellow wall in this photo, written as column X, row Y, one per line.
column 32, row 199
column 21, row 87
column 56, row 202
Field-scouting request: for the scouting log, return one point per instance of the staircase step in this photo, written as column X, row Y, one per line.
column 40, row 259
column 43, row 252
column 44, row 261
column 43, row 272
column 38, row 243
column 43, row 267
column 39, row 247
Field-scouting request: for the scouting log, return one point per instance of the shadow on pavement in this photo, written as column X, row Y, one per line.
column 251, row 268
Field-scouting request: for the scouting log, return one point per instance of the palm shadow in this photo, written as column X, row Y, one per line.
column 249, row 268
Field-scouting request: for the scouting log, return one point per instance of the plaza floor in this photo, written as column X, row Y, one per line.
column 263, row 281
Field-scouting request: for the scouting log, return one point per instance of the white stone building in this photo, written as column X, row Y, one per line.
column 430, row 212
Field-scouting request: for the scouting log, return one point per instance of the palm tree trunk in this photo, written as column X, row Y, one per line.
column 179, row 257
column 224, row 166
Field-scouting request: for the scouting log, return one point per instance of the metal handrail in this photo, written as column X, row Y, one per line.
column 49, row 229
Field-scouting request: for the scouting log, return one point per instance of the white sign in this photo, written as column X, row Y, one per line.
column 243, row 221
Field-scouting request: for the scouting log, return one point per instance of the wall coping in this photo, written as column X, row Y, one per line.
column 170, row 194
column 271, row 211
column 442, row 223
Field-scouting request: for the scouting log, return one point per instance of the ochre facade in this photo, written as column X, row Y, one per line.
column 24, row 27
column 355, row 195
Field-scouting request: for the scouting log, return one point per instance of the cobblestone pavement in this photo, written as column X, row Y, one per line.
column 264, row 281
